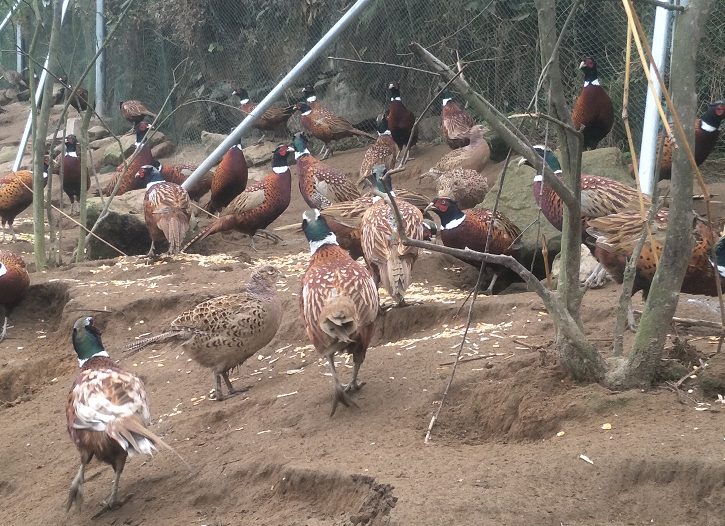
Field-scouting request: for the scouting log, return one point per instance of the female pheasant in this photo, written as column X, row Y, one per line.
column 143, row 158
column 107, row 413
column 400, row 119
column 455, row 122
column 467, row 187
column 384, row 151
column 469, row 229
column 593, row 109
column 338, row 303
column 320, row 184
column 14, row 285
column 474, row 156
column 230, row 179
column 72, row 172
column 223, row 332
column 390, row 261
column 167, row 210
column 256, row 207
column 134, row 111
column 707, row 131
column 79, row 100
column 271, row 118
column 324, row 124
column 16, row 194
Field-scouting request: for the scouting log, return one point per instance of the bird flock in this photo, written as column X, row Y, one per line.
column 107, row 410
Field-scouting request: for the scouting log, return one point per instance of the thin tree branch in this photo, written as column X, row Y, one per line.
column 383, row 64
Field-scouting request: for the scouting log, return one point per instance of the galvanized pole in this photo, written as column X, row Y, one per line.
column 100, row 62
column 38, row 96
column 19, row 49
column 648, row 150
column 7, row 17
column 278, row 90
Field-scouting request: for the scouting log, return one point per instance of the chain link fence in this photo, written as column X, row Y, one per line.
column 201, row 51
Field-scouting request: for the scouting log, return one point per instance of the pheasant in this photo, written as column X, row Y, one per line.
column 14, row 285
column 13, row 77
column 338, row 303
column 259, row 205
column 400, row 119
column 271, row 118
column 707, row 131
column 593, row 109
column 383, row 151
column 79, row 99
column 455, row 122
column 474, row 156
column 167, row 210
column 617, row 234
column 16, row 194
column 467, row 187
column 320, row 184
column 143, row 158
column 107, row 413
column 324, row 124
column 600, row 196
column 223, row 332
column 72, row 171
column 390, row 261
column 134, row 111
column 469, row 229
column 230, row 179
column 179, row 173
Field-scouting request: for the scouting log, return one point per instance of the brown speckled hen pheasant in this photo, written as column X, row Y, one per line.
column 144, row 157
column 338, row 303
column 134, row 111
column 455, row 122
column 79, row 99
column 259, row 205
column 167, row 210
column 384, row 151
column 16, row 194
column 107, row 414
column 467, row 187
column 707, row 131
column 14, row 285
column 324, row 124
column 230, row 179
column 390, row 261
column 320, row 184
column 474, row 156
column 593, row 109
column 469, row 229
column 272, row 117
column 223, row 332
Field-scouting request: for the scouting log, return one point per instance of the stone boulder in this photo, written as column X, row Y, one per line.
column 210, row 141
column 98, row 132
column 113, row 156
column 124, row 227
column 586, row 267
column 518, row 204
column 7, row 153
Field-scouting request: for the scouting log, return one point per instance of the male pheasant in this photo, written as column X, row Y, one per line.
column 259, row 205
column 229, row 180
column 14, row 285
column 167, row 210
column 72, row 172
column 338, row 303
column 222, row 333
column 324, row 124
column 273, row 116
column 16, row 194
column 593, row 109
column 179, row 173
column 390, row 261
column 107, row 413
column 455, row 122
column 469, row 229
column 400, row 119
column 143, row 158
column 320, row 184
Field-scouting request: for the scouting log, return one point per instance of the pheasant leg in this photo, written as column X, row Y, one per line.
column 489, row 289
column 113, row 502
column 268, row 235
column 12, row 233
column 337, row 389
column 597, row 278
column 219, row 396
column 75, row 495
column 354, row 385
column 5, row 329
column 152, row 250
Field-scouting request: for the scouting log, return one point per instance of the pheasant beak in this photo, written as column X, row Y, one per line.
column 523, row 160
column 428, row 208
column 582, row 65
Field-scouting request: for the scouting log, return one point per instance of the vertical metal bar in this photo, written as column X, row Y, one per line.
column 100, row 62
column 650, row 128
column 19, row 49
column 38, row 95
column 286, row 82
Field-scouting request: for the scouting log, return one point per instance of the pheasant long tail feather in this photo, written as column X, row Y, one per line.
column 338, row 319
column 176, row 227
column 222, row 224
column 140, row 344
column 132, row 427
column 397, row 275
column 364, row 134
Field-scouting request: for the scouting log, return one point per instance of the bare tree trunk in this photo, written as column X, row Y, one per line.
column 644, row 358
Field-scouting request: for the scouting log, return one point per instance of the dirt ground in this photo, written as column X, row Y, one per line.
column 516, row 443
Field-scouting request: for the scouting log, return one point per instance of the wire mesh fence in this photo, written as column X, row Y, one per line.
column 201, row 51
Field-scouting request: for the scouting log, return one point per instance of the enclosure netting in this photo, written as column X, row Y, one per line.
column 204, row 50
